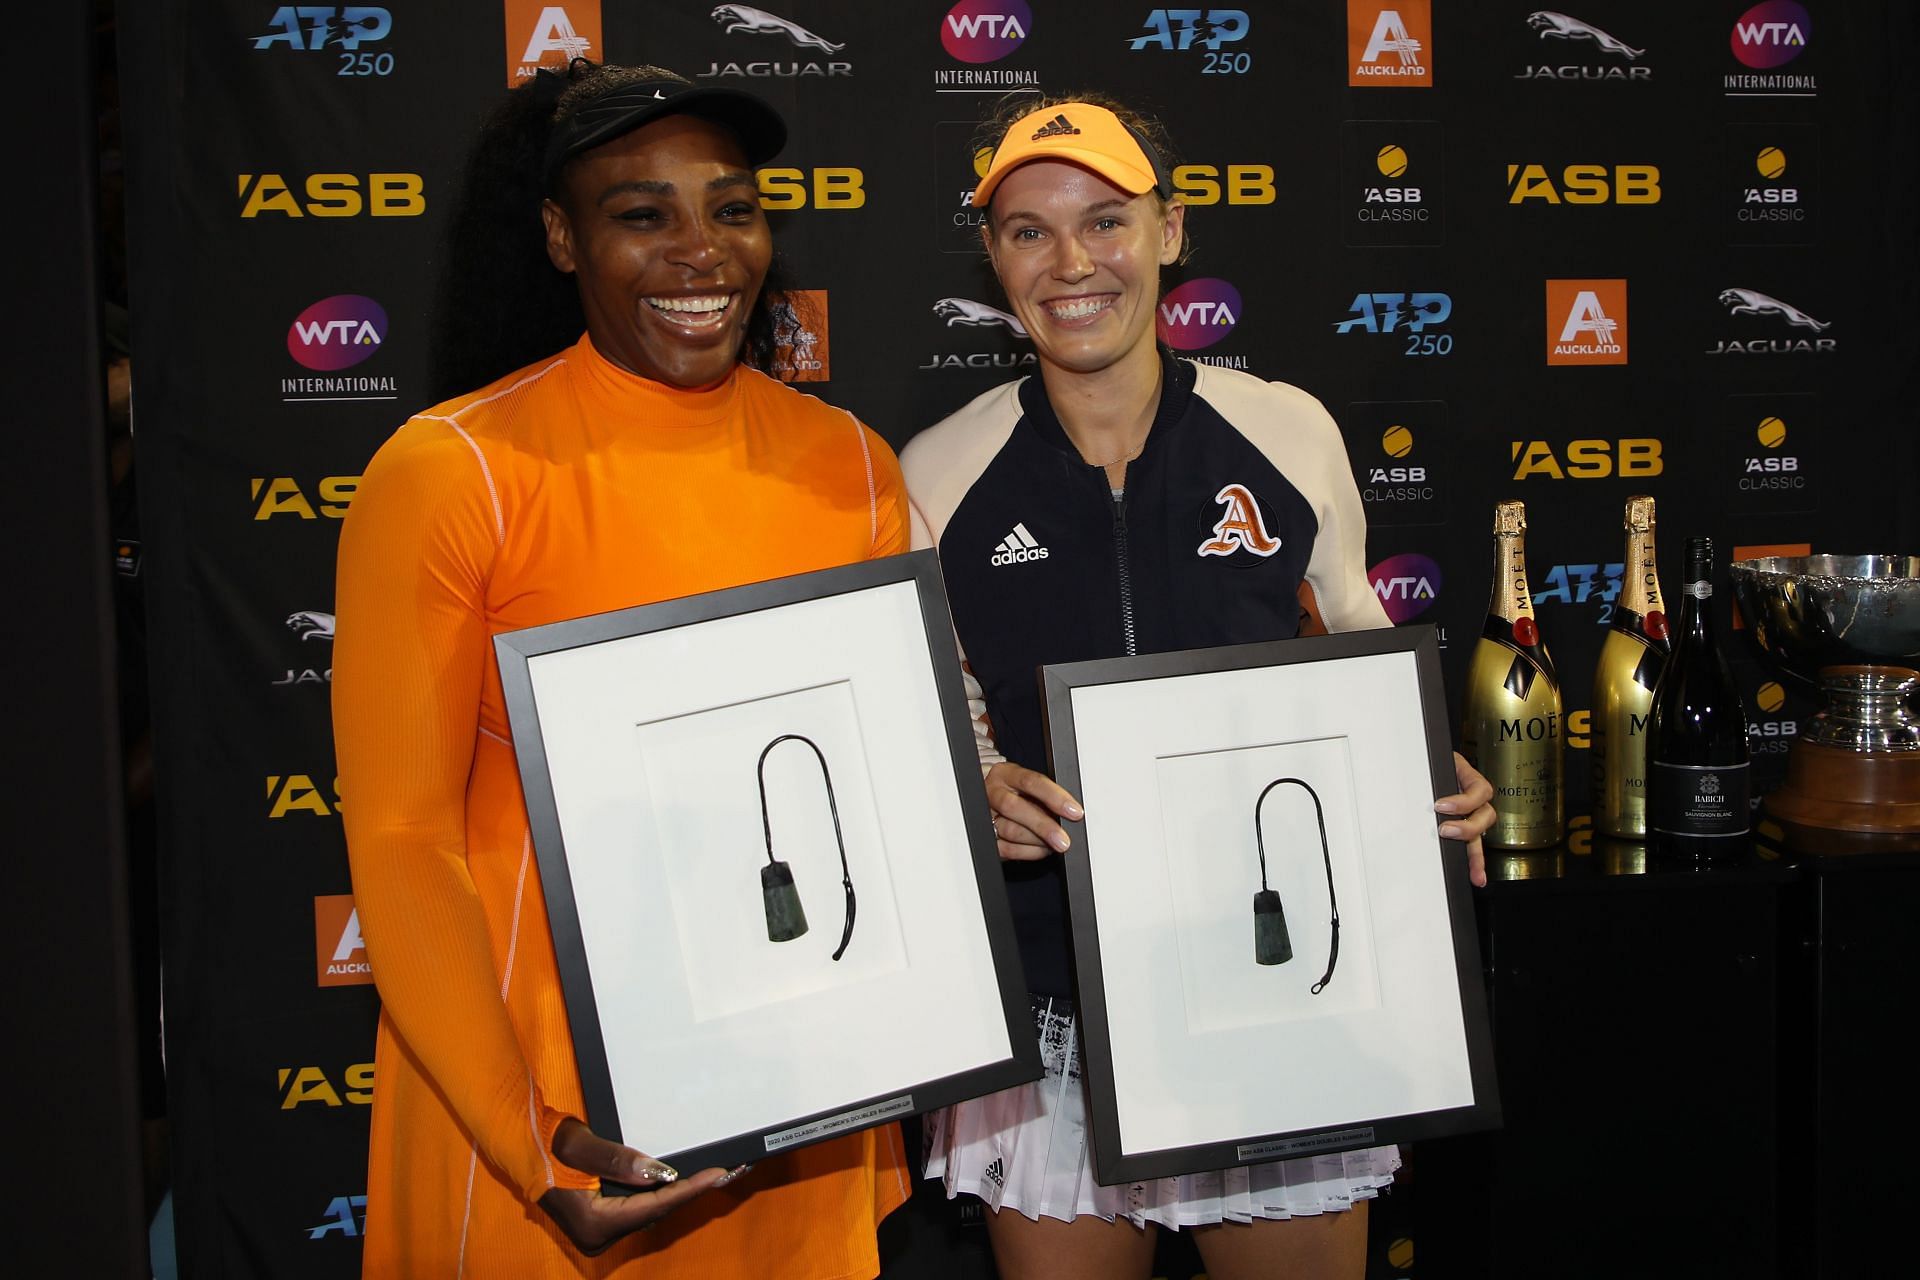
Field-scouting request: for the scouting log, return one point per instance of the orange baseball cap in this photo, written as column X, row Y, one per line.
column 1083, row 134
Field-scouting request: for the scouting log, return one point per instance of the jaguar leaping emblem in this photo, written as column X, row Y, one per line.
column 978, row 315
column 309, row 625
column 1745, row 302
column 1558, row 26
column 740, row 17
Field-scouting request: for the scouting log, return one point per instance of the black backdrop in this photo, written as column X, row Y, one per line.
column 1406, row 236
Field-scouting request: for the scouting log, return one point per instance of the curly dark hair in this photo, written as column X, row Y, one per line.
column 1011, row 108
column 499, row 303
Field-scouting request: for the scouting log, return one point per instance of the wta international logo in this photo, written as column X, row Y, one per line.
column 985, row 30
column 1198, row 314
column 337, row 333
column 1390, row 46
column 1407, row 584
column 1586, row 322
column 549, row 35
column 1770, row 35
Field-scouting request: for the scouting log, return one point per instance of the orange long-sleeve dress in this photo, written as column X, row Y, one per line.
column 568, row 488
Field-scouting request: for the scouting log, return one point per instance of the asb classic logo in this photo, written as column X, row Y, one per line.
column 1199, row 313
column 1607, row 56
column 339, row 952
column 1399, row 483
column 985, row 30
column 1586, row 322
column 1393, row 172
column 1407, row 585
column 337, row 333
column 549, row 35
column 1390, row 46
column 740, row 19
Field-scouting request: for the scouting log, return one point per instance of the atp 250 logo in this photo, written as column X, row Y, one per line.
column 338, row 31
column 1208, row 32
column 1413, row 317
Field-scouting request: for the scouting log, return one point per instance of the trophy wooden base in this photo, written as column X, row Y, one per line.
column 1837, row 800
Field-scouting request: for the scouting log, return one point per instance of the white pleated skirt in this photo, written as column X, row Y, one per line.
column 1025, row 1149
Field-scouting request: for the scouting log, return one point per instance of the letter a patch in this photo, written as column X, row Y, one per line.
column 1239, row 526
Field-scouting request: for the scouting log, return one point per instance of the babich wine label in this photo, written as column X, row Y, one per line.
column 1512, row 723
column 1631, row 659
column 1697, row 785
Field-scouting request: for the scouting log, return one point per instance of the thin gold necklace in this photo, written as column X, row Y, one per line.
column 1128, row 457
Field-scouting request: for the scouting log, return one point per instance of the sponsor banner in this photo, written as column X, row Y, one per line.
column 1767, row 453
column 550, row 35
column 1404, row 457
column 348, row 41
column 1212, row 40
column 1408, row 585
column 1408, row 322
column 1588, row 47
column 1759, row 323
column 339, row 952
column 976, row 335
column 1770, row 177
column 1196, row 315
column 1586, row 322
column 801, row 352
column 767, row 45
column 1390, row 45
column 1768, row 48
column 1393, row 183
column 958, row 168
column 977, row 35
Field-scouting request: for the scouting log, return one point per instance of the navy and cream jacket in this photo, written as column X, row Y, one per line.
column 1241, row 493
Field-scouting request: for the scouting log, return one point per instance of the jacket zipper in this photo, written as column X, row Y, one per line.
column 1126, row 573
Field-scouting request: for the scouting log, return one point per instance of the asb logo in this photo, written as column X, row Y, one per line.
column 339, row 952
column 1407, row 584
column 1586, row 322
column 800, row 337
column 292, row 793
column 834, row 188
column 549, row 35
column 300, row 1086
column 1394, row 182
column 1768, row 733
column 1782, row 316
column 1204, row 30
column 1584, row 184
column 1588, row 459
column 334, row 195
column 1398, row 475
column 337, row 333
column 1607, row 57
column 1411, row 316
column 1770, row 35
column 285, row 496
column 740, row 19
column 1238, row 184
column 1239, row 527
column 985, row 30
column 1390, row 46
column 1198, row 314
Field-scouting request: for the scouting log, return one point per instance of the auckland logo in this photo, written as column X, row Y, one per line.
column 985, row 30
column 1749, row 302
column 1239, row 527
column 740, row 19
column 1018, row 547
column 1198, row 314
column 1397, row 44
column 555, row 37
column 1407, row 585
column 337, row 333
column 1591, row 319
column 977, row 315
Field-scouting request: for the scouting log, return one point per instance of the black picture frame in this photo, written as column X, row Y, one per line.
column 1113, row 1160
column 586, row 992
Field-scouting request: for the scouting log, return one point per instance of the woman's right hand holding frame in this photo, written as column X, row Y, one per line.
column 595, row 1221
column 1026, row 804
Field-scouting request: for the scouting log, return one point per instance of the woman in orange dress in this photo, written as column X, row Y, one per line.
column 643, row 462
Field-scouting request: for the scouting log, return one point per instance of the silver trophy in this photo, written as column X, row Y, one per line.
column 1849, row 626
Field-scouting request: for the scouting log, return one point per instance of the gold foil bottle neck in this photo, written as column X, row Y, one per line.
column 1639, row 516
column 1509, row 519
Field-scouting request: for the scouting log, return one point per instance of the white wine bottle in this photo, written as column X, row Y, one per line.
column 1511, row 727
column 1631, row 658
column 1697, row 761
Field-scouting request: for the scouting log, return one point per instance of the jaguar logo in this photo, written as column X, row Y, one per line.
column 309, row 625
column 740, row 17
column 1745, row 302
column 965, row 311
column 1558, row 26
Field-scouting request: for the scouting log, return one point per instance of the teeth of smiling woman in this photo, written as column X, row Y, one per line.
column 1079, row 308
column 702, row 310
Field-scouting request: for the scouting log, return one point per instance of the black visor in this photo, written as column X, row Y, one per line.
column 624, row 108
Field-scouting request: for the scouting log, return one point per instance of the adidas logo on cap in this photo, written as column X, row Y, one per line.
column 1018, row 547
column 1058, row 127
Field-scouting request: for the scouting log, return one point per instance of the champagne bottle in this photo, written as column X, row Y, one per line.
column 1631, row 658
column 1511, row 729
column 1697, row 783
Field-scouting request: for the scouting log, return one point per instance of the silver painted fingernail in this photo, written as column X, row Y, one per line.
column 731, row 1174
